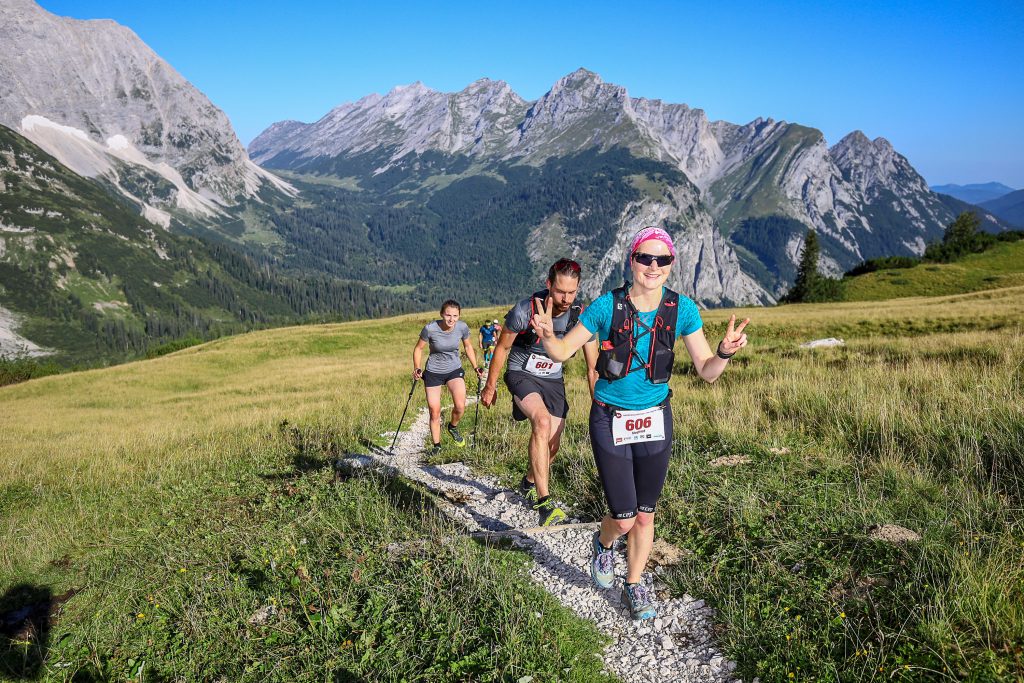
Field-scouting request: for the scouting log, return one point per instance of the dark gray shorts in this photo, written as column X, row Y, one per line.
column 552, row 392
column 436, row 379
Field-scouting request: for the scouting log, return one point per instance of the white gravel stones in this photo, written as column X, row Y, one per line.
column 641, row 651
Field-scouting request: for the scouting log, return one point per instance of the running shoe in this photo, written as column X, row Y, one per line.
column 453, row 431
column 528, row 490
column 602, row 563
column 549, row 513
column 434, row 450
column 638, row 599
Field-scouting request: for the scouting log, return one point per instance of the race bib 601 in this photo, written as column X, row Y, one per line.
column 541, row 365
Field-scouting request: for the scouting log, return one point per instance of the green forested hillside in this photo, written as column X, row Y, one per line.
column 438, row 235
column 93, row 280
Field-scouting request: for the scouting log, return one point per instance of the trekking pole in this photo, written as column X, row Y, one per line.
column 391, row 451
column 476, row 417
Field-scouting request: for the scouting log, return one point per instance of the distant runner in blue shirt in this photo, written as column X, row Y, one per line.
column 488, row 334
column 631, row 416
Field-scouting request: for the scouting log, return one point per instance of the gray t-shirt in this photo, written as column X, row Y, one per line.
column 519, row 358
column 444, row 346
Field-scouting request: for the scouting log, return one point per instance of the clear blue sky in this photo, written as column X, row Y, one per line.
column 935, row 78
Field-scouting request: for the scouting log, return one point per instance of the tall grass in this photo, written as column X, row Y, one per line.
column 212, row 459
column 916, row 421
column 186, row 493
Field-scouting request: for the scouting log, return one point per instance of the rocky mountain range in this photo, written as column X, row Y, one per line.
column 406, row 198
column 748, row 192
column 97, row 98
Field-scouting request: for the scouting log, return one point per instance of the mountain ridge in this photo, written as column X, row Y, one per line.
column 974, row 193
column 864, row 197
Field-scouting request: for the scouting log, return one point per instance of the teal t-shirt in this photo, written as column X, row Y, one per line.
column 635, row 391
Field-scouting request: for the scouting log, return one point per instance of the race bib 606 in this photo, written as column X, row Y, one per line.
column 542, row 366
column 635, row 426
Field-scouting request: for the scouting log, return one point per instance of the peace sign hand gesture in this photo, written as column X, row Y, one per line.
column 541, row 321
column 734, row 339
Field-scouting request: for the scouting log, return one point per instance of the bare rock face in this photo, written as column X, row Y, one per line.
column 409, row 119
column 706, row 268
column 95, row 96
column 888, row 185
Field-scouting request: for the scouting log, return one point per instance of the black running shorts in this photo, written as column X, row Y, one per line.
column 552, row 391
column 436, row 379
column 632, row 475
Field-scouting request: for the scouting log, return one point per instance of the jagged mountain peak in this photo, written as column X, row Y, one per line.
column 857, row 138
column 490, row 88
column 416, row 88
column 578, row 77
column 583, row 83
column 94, row 95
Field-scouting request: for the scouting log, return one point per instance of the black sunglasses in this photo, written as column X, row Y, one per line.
column 647, row 259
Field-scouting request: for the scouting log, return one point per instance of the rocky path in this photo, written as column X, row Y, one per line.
column 676, row 646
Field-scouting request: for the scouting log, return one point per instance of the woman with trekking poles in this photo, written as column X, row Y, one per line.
column 631, row 415
column 444, row 368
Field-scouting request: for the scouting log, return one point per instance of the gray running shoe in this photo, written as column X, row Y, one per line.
column 434, row 450
column 638, row 599
column 453, row 432
column 602, row 563
column 549, row 513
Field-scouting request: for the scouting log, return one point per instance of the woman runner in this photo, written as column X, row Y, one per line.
column 631, row 417
column 444, row 367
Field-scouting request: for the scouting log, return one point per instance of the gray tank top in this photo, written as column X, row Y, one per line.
column 444, row 346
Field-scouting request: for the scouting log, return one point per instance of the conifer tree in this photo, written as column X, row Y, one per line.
column 807, row 276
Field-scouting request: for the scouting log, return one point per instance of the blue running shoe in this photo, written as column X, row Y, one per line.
column 602, row 563
column 638, row 599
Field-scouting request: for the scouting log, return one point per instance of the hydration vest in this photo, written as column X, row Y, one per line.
column 527, row 338
column 615, row 359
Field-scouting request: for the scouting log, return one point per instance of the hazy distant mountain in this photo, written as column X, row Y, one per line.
column 990, row 222
column 974, row 193
column 97, row 98
column 761, row 185
column 1009, row 207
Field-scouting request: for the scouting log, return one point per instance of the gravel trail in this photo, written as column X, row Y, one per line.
column 676, row 646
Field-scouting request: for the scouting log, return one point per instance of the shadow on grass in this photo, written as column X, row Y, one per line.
column 27, row 613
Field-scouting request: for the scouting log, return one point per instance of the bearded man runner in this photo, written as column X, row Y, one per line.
column 536, row 382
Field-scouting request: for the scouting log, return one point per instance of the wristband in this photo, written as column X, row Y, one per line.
column 723, row 356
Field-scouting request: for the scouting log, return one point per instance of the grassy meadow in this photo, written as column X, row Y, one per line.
column 1000, row 266
column 916, row 421
column 189, row 501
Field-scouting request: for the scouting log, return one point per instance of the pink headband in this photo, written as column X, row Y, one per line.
column 652, row 233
